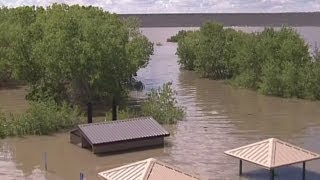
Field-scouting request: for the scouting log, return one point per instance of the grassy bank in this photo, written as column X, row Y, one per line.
column 272, row 62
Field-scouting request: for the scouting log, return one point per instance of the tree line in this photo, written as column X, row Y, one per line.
column 274, row 62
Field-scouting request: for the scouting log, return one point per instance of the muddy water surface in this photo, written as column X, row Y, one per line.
column 219, row 117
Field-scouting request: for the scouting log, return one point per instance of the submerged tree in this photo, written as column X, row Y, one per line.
column 76, row 53
column 186, row 50
column 275, row 62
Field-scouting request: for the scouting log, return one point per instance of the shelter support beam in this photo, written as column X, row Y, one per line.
column 303, row 170
column 114, row 108
column 89, row 112
column 240, row 167
column 272, row 174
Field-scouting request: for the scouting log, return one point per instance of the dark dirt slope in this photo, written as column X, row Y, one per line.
column 229, row 19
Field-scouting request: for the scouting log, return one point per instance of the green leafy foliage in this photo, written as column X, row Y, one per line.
column 3, row 128
column 243, row 60
column 17, row 36
column 41, row 119
column 186, row 50
column 286, row 54
column 162, row 105
column 180, row 35
column 311, row 74
column 211, row 54
column 274, row 62
column 71, row 53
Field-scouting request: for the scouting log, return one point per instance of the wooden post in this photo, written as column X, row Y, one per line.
column 114, row 109
column 304, row 171
column 45, row 161
column 272, row 174
column 89, row 112
column 81, row 176
column 240, row 167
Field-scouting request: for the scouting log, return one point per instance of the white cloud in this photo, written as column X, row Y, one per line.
column 183, row 6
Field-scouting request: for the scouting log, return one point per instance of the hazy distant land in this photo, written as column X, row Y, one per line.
column 229, row 19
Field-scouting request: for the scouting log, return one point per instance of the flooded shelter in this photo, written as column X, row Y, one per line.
column 148, row 169
column 105, row 137
column 272, row 153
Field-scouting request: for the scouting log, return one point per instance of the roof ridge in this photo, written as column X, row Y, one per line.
column 274, row 153
column 272, row 150
column 104, row 174
column 148, row 167
column 118, row 121
column 297, row 147
column 170, row 167
column 248, row 145
column 151, row 162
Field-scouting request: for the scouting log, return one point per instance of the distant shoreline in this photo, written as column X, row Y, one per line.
column 228, row 19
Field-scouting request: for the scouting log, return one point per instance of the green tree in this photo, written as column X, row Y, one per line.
column 311, row 74
column 187, row 50
column 285, row 56
column 16, row 41
column 74, row 53
column 246, row 68
column 211, row 55
column 275, row 62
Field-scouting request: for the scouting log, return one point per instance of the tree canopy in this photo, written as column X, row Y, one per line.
column 73, row 53
column 274, row 62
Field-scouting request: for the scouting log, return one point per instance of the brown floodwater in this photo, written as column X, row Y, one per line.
column 219, row 117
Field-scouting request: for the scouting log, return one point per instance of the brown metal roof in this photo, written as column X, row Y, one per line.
column 121, row 130
column 272, row 153
column 149, row 169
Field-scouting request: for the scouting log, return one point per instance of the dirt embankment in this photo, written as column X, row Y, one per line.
column 228, row 19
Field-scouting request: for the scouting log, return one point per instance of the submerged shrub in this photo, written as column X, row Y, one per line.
column 180, row 35
column 162, row 105
column 42, row 118
column 3, row 123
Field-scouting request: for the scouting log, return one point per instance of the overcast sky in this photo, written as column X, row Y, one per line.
column 183, row 6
